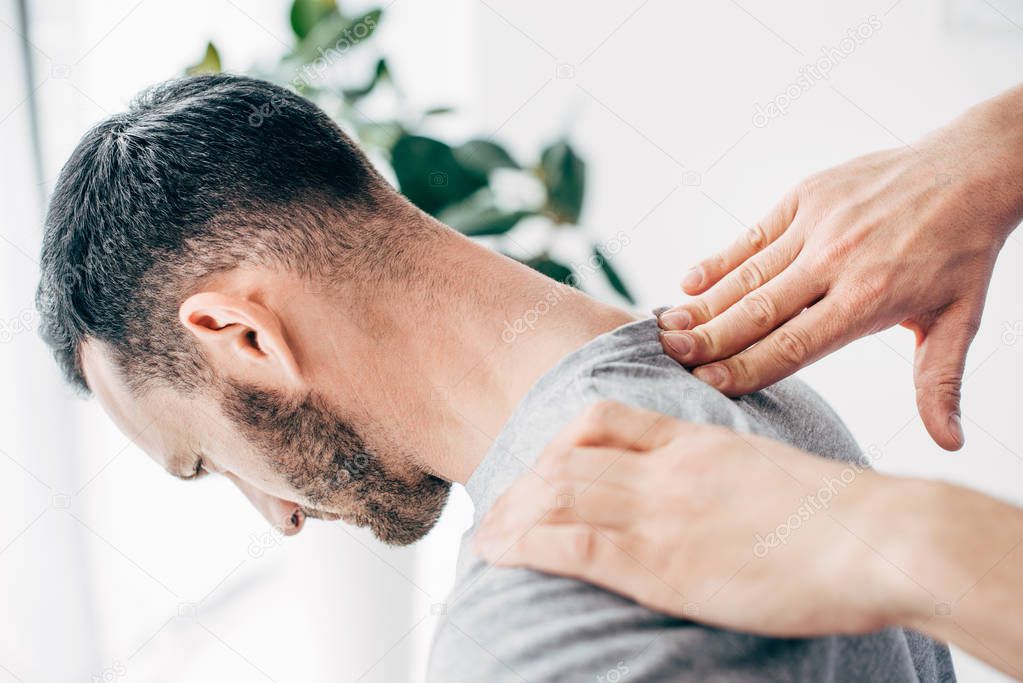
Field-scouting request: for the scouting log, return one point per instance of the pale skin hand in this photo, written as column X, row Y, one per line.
column 907, row 236
column 679, row 517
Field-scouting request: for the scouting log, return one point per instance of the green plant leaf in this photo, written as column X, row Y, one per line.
column 307, row 13
column 379, row 134
column 436, row 111
column 379, row 73
column 552, row 269
column 474, row 220
column 483, row 156
column 209, row 64
column 612, row 276
column 334, row 35
column 564, row 175
column 429, row 175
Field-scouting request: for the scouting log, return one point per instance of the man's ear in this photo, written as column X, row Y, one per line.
column 242, row 338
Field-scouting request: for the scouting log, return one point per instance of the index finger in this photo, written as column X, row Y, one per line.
column 745, row 322
column 814, row 333
column 709, row 271
column 615, row 425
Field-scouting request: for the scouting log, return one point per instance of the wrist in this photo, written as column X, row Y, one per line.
column 989, row 144
column 896, row 545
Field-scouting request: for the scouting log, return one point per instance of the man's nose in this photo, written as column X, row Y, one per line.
column 283, row 514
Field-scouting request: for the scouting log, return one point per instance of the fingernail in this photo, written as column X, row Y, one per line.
column 679, row 342
column 956, row 425
column 676, row 320
column 714, row 375
column 692, row 279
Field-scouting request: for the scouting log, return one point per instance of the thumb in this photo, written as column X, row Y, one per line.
column 938, row 373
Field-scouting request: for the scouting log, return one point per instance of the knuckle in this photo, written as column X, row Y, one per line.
column 715, row 265
column 591, row 425
column 806, row 188
column 597, row 414
column 751, row 276
column 705, row 340
column 950, row 387
column 875, row 287
column 867, row 295
column 756, row 236
column 943, row 381
column 760, row 310
column 700, row 311
column 582, row 544
column 792, row 346
column 941, row 389
column 834, row 252
column 738, row 372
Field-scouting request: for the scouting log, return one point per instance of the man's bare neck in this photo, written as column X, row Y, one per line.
column 489, row 328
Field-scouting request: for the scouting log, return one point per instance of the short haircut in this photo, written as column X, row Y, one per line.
column 199, row 175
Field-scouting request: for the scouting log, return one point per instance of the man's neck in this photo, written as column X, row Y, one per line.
column 456, row 357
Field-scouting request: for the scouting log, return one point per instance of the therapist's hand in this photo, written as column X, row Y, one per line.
column 904, row 236
column 703, row 523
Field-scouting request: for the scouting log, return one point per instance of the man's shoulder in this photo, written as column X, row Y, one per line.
column 629, row 365
column 789, row 411
column 516, row 624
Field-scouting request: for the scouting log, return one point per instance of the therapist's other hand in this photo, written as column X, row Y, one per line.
column 703, row 523
column 904, row 236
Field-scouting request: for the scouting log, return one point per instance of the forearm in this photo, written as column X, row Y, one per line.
column 985, row 148
column 954, row 561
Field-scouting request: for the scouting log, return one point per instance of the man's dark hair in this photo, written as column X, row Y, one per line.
column 201, row 174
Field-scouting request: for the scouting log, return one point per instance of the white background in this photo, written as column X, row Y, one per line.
column 108, row 565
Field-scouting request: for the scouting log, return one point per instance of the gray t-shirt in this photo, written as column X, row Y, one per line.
column 521, row 625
